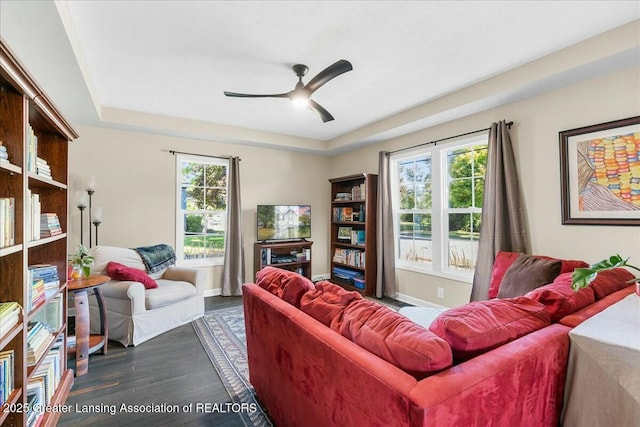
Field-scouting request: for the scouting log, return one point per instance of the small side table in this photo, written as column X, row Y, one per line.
column 86, row 343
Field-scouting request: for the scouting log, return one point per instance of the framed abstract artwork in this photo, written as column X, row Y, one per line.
column 600, row 171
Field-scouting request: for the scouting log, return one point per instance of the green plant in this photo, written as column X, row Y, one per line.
column 582, row 277
column 83, row 258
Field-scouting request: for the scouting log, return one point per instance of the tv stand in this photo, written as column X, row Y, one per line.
column 288, row 255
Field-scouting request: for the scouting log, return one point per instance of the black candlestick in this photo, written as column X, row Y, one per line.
column 90, row 193
column 96, row 223
column 82, row 208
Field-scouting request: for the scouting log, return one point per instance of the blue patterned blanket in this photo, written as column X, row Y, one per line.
column 156, row 257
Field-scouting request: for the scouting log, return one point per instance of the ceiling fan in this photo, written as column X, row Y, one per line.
column 301, row 94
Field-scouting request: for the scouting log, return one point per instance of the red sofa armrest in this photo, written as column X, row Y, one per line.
column 574, row 319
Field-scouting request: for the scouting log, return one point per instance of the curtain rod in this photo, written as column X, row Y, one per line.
column 444, row 139
column 174, row 152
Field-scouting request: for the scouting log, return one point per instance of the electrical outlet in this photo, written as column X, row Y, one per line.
column 440, row 292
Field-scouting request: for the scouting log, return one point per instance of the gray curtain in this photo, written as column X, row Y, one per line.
column 233, row 270
column 385, row 240
column 503, row 221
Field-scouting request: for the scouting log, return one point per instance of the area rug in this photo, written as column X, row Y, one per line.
column 222, row 335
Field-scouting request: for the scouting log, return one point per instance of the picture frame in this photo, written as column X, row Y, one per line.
column 600, row 173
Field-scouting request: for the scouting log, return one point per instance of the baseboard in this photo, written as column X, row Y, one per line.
column 212, row 292
column 417, row 302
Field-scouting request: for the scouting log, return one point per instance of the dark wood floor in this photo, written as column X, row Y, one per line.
column 171, row 369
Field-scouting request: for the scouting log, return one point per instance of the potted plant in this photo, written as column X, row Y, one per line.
column 582, row 277
column 81, row 262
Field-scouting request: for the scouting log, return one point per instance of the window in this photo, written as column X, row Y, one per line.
column 201, row 214
column 438, row 194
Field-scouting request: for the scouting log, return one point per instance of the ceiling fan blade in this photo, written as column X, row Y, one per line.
column 324, row 114
column 248, row 95
column 340, row 67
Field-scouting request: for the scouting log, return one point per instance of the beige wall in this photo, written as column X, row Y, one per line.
column 135, row 176
column 537, row 122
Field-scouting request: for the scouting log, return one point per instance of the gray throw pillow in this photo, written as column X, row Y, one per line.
column 527, row 273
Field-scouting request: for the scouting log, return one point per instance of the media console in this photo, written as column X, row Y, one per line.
column 289, row 255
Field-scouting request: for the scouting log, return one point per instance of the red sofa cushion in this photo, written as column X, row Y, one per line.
column 527, row 273
column 480, row 326
column 119, row 271
column 504, row 260
column 610, row 281
column 394, row 338
column 284, row 284
column 560, row 299
column 327, row 302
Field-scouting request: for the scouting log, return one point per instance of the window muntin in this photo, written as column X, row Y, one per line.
column 202, row 209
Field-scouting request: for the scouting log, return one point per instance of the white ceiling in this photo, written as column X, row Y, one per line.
column 175, row 58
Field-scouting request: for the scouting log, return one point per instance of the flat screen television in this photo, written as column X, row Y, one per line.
column 284, row 222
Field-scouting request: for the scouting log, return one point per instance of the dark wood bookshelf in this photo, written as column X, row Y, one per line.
column 350, row 195
column 23, row 106
column 263, row 251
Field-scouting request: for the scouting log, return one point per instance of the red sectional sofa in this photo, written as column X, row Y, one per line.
column 322, row 356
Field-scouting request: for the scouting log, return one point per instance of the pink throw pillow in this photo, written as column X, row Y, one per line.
column 327, row 303
column 480, row 326
column 119, row 271
column 395, row 338
column 610, row 281
column 560, row 299
column 286, row 285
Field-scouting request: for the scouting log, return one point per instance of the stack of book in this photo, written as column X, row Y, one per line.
column 42, row 168
column 49, row 275
column 38, row 340
column 9, row 316
column 6, row 375
column 352, row 257
column 342, row 196
column 35, row 403
column 7, row 221
column 4, row 155
column 358, row 192
column 49, row 225
column 35, row 294
column 47, row 377
column 342, row 214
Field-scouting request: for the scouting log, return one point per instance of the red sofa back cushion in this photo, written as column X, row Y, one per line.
column 284, row 284
column 395, row 338
column 480, row 326
column 560, row 299
column 327, row 302
column 610, row 281
column 504, row 260
column 119, row 271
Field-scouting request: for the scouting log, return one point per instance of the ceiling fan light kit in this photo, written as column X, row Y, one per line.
column 301, row 94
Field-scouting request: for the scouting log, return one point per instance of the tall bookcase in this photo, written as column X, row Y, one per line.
column 353, row 232
column 30, row 186
column 293, row 256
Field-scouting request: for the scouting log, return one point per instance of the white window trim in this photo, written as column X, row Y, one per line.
column 179, row 237
column 439, row 265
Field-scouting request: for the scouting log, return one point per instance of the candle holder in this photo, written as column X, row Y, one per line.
column 90, row 193
column 97, row 224
column 81, row 207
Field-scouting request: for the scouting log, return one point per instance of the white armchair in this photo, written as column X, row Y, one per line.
column 136, row 314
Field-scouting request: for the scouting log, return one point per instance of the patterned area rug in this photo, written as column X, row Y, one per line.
column 222, row 335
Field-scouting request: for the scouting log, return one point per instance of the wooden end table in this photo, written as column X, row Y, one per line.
column 86, row 343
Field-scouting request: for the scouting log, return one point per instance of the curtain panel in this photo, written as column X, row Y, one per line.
column 503, row 226
column 233, row 269
column 385, row 239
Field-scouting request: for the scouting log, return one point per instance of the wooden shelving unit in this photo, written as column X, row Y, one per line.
column 353, row 232
column 293, row 256
column 24, row 106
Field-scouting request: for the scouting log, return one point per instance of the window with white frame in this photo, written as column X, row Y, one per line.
column 438, row 192
column 201, row 212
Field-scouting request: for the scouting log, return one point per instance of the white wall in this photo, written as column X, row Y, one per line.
column 135, row 176
column 537, row 122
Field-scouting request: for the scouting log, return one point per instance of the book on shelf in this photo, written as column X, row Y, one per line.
column 344, row 233
column 42, row 168
column 352, row 257
column 342, row 196
column 32, row 149
column 49, row 372
column 7, row 221
column 7, row 361
column 49, row 225
column 358, row 192
column 38, row 340
column 342, row 214
column 9, row 316
column 33, row 216
column 47, row 272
